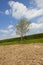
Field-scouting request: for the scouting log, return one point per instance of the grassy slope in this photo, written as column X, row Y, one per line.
column 40, row 40
column 37, row 38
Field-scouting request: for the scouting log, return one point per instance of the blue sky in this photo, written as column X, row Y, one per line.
column 11, row 11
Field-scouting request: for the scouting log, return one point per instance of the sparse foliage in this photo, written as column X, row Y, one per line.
column 22, row 27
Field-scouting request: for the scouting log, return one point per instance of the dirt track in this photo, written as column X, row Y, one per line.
column 23, row 54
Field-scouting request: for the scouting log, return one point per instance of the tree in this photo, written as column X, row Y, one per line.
column 22, row 27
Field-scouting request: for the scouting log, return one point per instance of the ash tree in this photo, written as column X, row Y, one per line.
column 22, row 27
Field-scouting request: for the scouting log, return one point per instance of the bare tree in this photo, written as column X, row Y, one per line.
column 22, row 27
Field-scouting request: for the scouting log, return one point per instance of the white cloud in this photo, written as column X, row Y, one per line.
column 4, row 31
column 7, row 12
column 33, row 13
column 9, row 32
column 11, row 3
column 10, row 26
column 36, row 25
column 39, row 3
column 19, row 10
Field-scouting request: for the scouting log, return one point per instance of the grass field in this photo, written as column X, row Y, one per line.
column 36, row 38
column 40, row 40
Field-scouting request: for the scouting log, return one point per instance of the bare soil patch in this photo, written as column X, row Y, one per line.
column 21, row 54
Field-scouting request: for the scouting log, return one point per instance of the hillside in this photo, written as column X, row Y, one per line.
column 36, row 38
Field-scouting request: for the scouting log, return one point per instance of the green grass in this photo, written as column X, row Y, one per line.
column 40, row 40
column 35, row 38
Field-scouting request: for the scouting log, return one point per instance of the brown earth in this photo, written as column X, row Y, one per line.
column 21, row 54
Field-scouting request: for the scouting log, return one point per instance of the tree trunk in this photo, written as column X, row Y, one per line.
column 21, row 38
